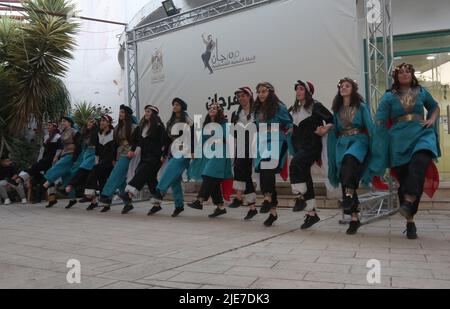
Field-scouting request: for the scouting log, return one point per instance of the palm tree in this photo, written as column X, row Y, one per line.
column 33, row 56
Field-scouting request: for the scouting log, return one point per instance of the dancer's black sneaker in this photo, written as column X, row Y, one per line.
column 154, row 210
column 127, row 209
column 106, row 209
column 71, row 204
column 266, row 207
column 177, row 211
column 51, row 204
column 251, row 213
column 218, row 212
column 196, row 205
column 354, row 226
column 92, row 206
column 269, row 222
column 300, row 205
column 411, row 231
column 236, row 203
column 310, row 221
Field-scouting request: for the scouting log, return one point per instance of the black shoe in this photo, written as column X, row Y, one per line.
column 354, row 226
column 251, row 213
column 177, row 211
column 218, row 212
column 266, row 207
column 85, row 200
column 125, row 198
column 71, row 204
column 105, row 200
column 310, row 221
column 196, row 205
column 127, row 209
column 269, row 222
column 411, row 231
column 51, row 204
column 300, row 205
column 92, row 206
column 154, row 210
column 236, row 203
column 106, row 209
column 406, row 210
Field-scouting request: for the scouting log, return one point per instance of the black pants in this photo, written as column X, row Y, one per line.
column 40, row 167
column 351, row 172
column 412, row 177
column 267, row 180
column 80, row 178
column 300, row 171
column 98, row 176
column 243, row 170
column 211, row 188
column 146, row 173
column 37, row 179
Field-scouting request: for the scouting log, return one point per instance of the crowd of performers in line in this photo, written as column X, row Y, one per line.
column 99, row 158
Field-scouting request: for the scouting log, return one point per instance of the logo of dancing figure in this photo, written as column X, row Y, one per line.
column 206, row 56
column 157, row 61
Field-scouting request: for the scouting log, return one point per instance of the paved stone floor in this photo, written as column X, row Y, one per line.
column 192, row 251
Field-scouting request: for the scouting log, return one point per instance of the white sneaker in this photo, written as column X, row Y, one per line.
column 7, row 201
column 24, row 201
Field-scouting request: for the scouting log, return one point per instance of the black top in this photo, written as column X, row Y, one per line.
column 51, row 146
column 304, row 137
column 7, row 172
column 106, row 149
column 171, row 138
column 153, row 145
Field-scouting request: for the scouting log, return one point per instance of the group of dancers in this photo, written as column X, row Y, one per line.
column 399, row 139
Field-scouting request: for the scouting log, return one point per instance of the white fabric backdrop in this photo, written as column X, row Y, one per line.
column 289, row 40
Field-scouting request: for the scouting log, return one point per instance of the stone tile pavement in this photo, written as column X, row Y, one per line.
column 191, row 252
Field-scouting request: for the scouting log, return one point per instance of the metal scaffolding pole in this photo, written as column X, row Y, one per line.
column 380, row 63
column 132, row 74
column 380, row 49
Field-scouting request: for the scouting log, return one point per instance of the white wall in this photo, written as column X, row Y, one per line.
column 411, row 16
column 94, row 73
column 253, row 50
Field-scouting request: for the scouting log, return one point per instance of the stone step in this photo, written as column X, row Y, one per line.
column 441, row 200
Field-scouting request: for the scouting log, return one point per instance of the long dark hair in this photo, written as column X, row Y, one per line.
column 355, row 100
column 90, row 134
column 414, row 83
column 173, row 118
column 268, row 109
column 249, row 116
column 309, row 101
column 128, row 123
column 220, row 118
column 153, row 122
